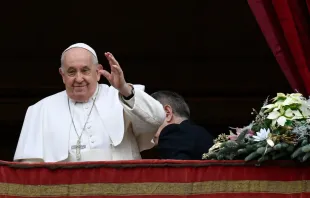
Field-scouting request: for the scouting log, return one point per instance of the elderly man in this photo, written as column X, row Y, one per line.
column 178, row 138
column 89, row 121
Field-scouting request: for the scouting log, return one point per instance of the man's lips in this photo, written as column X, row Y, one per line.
column 79, row 85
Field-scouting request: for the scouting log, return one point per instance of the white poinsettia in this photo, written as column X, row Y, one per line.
column 263, row 135
column 305, row 108
column 287, row 107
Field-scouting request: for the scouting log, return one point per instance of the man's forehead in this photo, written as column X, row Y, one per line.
column 78, row 55
column 77, row 59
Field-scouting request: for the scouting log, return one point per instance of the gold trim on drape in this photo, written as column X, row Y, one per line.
column 209, row 187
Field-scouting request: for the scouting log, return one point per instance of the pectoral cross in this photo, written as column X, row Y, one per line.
column 78, row 148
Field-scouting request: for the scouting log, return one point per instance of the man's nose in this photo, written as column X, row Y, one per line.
column 79, row 77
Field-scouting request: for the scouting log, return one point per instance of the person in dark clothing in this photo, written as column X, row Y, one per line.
column 178, row 137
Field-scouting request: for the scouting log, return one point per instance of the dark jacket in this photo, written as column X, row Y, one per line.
column 185, row 141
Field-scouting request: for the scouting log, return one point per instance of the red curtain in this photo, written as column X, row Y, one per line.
column 155, row 179
column 285, row 25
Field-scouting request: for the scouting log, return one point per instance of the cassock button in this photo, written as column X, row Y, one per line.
column 92, row 141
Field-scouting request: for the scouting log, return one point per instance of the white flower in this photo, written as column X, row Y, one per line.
column 305, row 108
column 287, row 107
column 277, row 118
column 261, row 135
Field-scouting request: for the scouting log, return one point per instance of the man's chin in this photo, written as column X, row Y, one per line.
column 79, row 96
column 80, row 89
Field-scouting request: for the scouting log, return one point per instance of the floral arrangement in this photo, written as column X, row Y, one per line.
column 281, row 130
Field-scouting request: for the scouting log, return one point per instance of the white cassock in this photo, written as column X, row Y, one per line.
column 115, row 130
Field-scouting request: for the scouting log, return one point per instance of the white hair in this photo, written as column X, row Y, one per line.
column 80, row 45
column 95, row 60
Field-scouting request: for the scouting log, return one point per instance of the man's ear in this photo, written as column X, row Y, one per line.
column 169, row 113
column 62, row 74
column 99, row 67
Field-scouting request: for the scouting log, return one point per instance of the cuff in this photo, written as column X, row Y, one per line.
column 130, row 103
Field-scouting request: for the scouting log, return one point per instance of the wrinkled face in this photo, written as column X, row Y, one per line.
column 79, row 74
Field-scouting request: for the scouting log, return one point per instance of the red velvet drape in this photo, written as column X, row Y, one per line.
column 285, row 25
column 155, row 179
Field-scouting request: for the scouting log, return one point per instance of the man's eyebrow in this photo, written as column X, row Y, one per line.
column 71, row 67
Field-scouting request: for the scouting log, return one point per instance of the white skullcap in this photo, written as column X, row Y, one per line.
column 82, row 45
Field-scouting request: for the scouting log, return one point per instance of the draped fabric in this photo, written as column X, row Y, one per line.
column 285, row 25
column 155, row 179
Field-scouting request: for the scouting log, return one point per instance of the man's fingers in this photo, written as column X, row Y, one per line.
column 111, row 59
column 116, row 69
column 107, row 55
column 106, row 74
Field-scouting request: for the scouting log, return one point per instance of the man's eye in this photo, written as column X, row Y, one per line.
column 86, row 71
column 71, row 73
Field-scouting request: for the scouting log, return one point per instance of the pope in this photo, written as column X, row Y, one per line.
column 89, row 121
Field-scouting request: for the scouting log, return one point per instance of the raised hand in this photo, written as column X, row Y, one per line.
column 116, row 77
